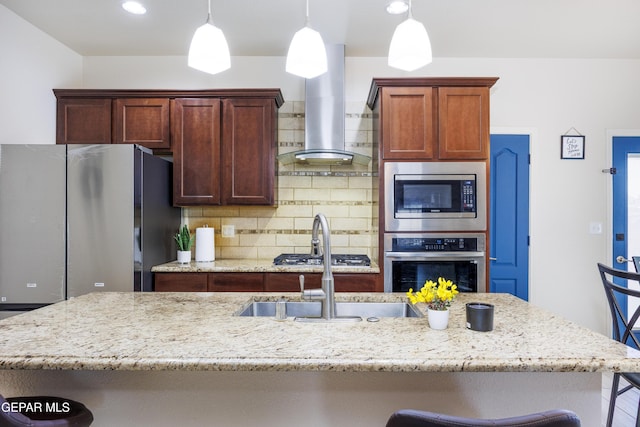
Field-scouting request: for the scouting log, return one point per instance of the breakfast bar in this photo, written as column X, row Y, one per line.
column 189, row 359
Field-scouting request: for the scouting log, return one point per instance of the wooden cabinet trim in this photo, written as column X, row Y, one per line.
column 378, row 83
column 271, row 93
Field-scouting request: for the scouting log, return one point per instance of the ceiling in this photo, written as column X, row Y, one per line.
column 458, row 28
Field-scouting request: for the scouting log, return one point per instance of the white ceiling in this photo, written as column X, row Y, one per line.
column 458, row 28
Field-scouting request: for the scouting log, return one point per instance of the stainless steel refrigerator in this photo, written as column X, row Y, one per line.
column 76, row 219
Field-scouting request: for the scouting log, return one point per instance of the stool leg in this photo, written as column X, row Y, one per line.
column 612, row 399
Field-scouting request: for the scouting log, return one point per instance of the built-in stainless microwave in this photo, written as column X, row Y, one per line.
column 427, row 196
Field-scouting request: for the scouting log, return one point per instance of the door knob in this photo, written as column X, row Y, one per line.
column 621, row 260
column 492, row 259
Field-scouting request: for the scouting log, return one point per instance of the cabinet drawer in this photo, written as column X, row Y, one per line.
column 180, row 282
column 343, row 282
column 236, row 282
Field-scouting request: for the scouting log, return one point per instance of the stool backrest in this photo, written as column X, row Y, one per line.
column 618, row 297
column 552, row 418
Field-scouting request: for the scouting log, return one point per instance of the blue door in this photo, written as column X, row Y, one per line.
column 626, row 200
column 509, row 215
column 626, row 207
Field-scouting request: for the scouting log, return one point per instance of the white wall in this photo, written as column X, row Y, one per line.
column 31, row 64
column 547, row 96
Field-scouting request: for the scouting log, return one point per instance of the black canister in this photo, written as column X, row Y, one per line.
column 480, row 316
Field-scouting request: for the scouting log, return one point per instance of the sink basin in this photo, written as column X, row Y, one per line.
column 343, row 309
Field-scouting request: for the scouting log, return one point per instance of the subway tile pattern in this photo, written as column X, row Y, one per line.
column 343, row 193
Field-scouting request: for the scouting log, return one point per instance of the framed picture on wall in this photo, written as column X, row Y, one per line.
column 572, row 147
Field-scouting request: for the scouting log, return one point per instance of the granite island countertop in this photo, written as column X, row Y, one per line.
column 254, row 266
column 199, row 331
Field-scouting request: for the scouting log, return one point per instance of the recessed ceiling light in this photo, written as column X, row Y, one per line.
column 397, row 7
column 134, row 7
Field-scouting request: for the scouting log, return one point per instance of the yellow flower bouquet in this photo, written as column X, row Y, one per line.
column 437, row 296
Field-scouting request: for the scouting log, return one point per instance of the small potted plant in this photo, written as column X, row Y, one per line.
column 184, row 240
column 438, row 297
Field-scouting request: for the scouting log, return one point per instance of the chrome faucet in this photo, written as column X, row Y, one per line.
column 326, row 294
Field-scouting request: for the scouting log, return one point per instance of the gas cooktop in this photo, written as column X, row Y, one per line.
column 339, row 259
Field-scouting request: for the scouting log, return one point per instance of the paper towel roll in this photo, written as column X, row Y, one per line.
column 205, row 249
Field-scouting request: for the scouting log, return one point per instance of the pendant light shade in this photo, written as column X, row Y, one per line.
column 410, row 46
column 209, row 51
column 307, row 56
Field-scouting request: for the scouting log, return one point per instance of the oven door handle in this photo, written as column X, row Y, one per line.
column 430, row 255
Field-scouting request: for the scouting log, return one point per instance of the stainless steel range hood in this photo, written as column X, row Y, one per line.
column 324, row 118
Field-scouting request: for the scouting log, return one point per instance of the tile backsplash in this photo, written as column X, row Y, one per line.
column 342, row 193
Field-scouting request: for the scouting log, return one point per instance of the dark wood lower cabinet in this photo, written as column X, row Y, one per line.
column 236, row 282
column 343, row 282
column 180, row 282
column 259, row 282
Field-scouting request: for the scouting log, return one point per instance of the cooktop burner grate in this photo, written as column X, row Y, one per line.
column 336, row 259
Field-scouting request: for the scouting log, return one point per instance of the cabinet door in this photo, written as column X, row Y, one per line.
column 236, row 282
column 290, row 282
column 143, row 121
column 83, row 121
column 196, row 151
column 408, row 123
column 343, row 282
column 180, row 282
column 463, row 123
column 248, row 151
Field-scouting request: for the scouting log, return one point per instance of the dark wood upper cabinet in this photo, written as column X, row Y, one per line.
column 83, row 121
column 223, row 140
column 432, row 118
column 463, row 123
column 196, row 130
column 408, row 123
column 248, row 151
column 143, row 121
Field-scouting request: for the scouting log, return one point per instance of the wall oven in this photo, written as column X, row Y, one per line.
column 421, row 196
column 412, row 258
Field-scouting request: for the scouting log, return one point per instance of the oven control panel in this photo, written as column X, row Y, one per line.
column 435, row 244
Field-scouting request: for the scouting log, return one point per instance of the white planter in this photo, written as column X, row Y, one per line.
column 438, row 319
column 184, row 257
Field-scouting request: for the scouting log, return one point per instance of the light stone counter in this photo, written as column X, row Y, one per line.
column 198, row 331
column 252, row 266
column 168, row 359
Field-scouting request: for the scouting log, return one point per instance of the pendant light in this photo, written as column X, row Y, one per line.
column 209, row 51
column 307, row 56
column 410, row 47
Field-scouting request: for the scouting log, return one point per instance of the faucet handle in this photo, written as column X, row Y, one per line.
column 310, row 294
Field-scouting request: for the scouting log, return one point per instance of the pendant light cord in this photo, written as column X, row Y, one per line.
column 306, row 21
column 209, row 20
column 410, row 16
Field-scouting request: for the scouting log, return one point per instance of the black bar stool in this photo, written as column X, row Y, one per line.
column 43, row 411
column 552, row 418
column 624, row 327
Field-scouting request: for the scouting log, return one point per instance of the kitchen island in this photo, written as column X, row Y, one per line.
column 187, row 359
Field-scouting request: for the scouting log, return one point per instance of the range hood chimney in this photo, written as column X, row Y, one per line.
column 324, row 118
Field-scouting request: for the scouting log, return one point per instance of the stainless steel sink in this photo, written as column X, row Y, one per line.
column 343, row 309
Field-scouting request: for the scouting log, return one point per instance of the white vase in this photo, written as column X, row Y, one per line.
column 184, row 257
column 438, row 319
